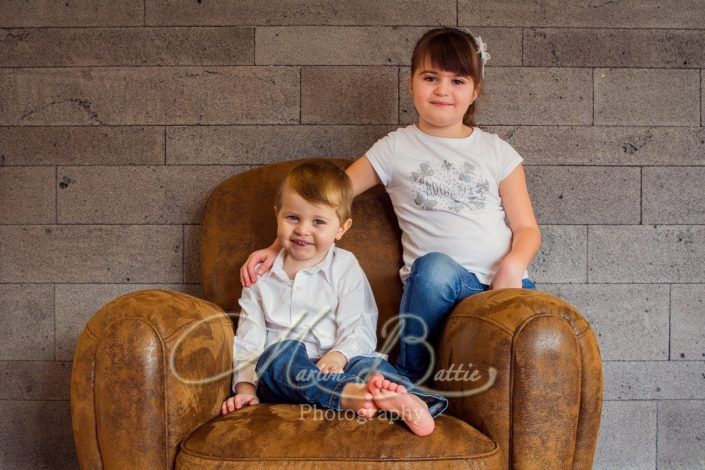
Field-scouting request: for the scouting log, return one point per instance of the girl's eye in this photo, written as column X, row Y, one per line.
column 429, row 78
column 458, row 82
column 319, row 222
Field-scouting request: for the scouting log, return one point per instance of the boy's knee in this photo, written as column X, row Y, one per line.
column 278, row 353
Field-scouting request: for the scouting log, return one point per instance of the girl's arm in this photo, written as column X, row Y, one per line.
column 526, row 237
column 362, row 175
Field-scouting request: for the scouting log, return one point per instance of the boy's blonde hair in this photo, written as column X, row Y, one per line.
column 320, row 181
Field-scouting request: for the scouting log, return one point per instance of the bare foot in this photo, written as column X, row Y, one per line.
column 390, row 396
column 357, row 397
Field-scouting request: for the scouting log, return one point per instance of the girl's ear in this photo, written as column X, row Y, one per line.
column 410, row 84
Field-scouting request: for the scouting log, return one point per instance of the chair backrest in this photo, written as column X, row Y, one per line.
column 239, row 219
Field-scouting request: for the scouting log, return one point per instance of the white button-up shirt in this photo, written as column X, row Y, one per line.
column 328, row 307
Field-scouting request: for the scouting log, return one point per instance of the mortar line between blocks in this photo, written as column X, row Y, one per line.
column 56, row 194
column 53, row 286
column 457, row 12
column 670, row 309
column 165, row 144
column 183, row 254
column 656, row 437
column 144, row 12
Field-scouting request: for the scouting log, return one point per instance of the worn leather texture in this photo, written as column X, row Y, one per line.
column 140, row 398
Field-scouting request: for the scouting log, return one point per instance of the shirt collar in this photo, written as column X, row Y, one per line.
column 324, row 266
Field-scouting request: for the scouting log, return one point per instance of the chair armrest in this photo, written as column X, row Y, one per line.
column 139, row 382
column 543, row 408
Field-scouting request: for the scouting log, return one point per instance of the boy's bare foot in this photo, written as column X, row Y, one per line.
column 357, row 397
column 390, row 396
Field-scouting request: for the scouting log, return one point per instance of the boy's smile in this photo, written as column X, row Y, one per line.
column 306, row 230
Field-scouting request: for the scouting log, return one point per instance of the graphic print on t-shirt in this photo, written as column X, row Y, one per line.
column 449, row 187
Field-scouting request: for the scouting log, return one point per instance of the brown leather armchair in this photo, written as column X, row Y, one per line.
column 151, row 368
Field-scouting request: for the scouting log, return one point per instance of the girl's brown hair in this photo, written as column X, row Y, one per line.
column 452, row 50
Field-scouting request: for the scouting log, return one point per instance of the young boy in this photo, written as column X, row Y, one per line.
column 307, row 331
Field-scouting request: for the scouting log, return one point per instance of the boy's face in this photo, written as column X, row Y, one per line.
column 307, row 230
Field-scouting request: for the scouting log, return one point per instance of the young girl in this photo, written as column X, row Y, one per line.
column 451, row 185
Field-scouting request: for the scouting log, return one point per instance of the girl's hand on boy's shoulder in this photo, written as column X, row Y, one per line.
column 237, row 402
column 262, row 260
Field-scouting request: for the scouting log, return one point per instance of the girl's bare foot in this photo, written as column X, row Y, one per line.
column 357, row 397
column 390, row 396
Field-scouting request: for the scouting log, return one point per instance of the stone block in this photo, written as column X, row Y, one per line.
column 77, row 303
column 330, row 45
column 301, row 12
column 563, row 255
column 681, row 434
column 35, row 380
column 654, row 380
column 26, row 320
column 622, row 254
column 627, row 436
column 59, row 47
column 82, row 145
column 192, row 247
column 27, row 195
column 149, row 95
column 614, row 146
column 688, row 322
column 37, row 435
column 621, row 311
column 524, row 96
column 673, row 195
column 91, row 253
column 579, row 14
column 349, row 95
column 237, row 145
column 647, row 97
column 137, row 195
column 585, row 195
column 663, row 48
column 82, row 13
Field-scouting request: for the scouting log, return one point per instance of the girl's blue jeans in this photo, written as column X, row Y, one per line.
column 287, row 375
column 435, row 285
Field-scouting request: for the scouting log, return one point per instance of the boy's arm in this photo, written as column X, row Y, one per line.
column 250, row 339
column 356, row 314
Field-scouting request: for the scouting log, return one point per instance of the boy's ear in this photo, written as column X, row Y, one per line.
column 343, row 228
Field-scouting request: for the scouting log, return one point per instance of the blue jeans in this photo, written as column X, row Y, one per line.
column 287, row 375
column 435, row 285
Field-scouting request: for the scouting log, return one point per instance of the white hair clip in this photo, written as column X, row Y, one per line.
column 482, row 50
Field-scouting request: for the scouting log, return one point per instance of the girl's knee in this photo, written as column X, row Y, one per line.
column 435, row 269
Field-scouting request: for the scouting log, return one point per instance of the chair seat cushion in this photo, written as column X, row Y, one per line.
column 285, row 435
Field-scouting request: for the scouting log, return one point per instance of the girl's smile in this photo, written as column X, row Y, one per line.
column 441, row 99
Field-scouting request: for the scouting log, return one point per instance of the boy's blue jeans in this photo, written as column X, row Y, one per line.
column 287, row 375
column 435, row 285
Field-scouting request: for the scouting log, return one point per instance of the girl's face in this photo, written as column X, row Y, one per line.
column 441, row 99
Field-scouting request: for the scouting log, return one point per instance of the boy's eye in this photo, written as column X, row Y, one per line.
column 319, row 222
column 292, row 217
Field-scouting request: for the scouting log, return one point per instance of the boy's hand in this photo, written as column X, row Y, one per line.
column 237, row 402
column 332, row 362
column 260, row 259
column 509, row 274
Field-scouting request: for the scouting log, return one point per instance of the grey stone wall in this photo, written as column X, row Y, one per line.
column 118, row 118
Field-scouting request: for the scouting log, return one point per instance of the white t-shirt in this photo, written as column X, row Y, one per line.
column 328, row 307
column 445, row 193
